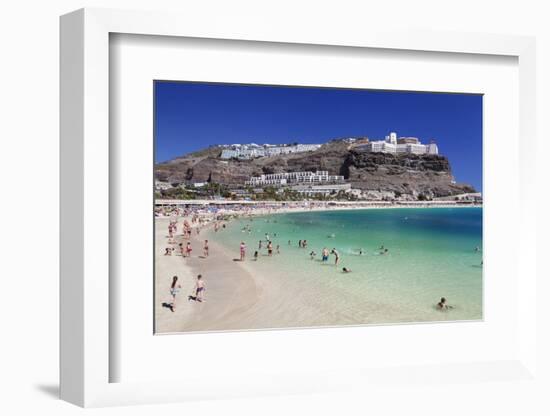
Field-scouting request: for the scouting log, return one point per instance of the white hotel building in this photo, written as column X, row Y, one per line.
column 251, row 151
column 294, row 178
column 401, row 145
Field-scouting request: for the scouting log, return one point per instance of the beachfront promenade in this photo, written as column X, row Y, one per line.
column 314, row 204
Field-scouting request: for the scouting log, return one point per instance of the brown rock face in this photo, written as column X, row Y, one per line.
column 382, row 173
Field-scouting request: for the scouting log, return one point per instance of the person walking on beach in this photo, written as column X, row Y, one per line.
column 205, row 248
column 199, row 288
column 243, row 250
column 269, row 249
column 256, row 256
column 188, row 250
column 174, row 290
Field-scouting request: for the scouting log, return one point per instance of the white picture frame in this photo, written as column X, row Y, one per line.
column 86, row 356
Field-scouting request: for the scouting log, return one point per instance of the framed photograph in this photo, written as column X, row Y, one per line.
column 243, row 214
column 315, row 230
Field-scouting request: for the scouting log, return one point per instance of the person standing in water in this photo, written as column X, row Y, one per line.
column 336, row 256
column 325, row 255
column 242, row 250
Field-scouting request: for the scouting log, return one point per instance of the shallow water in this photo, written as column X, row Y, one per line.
column 431, row 253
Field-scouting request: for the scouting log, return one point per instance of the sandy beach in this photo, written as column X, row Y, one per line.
column 274, row 291
column 230, row 289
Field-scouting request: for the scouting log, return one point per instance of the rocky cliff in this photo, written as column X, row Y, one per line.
column 376, row 174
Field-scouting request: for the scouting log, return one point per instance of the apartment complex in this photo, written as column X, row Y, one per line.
column 401, row 145
column 294, row 178
column 252, row 151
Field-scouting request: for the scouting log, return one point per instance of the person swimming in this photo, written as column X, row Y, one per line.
column 442, row 305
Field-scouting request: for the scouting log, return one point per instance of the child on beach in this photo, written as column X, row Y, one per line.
column 256, row 255
column 205, row 248
column 174, row 290
column 312, row 255
column 325, row 255
column 242, row 250
column 199, row 288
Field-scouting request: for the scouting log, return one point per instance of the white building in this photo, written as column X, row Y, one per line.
column 162, row 186
column 251, row 151
column 329, row 189
column 402, row 145
column 291, row 178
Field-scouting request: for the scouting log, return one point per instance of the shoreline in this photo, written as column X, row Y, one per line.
column 282, row 207
column 238, row 293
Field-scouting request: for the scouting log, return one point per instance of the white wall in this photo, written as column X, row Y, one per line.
column 29, row 114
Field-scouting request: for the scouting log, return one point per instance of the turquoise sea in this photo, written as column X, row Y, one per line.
column 431, row 253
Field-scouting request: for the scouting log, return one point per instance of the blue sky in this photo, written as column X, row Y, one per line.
column 192, row 116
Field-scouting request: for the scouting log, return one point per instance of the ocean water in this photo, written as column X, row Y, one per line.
column 431, row 253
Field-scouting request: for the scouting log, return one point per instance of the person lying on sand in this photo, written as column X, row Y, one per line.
column 346, row 270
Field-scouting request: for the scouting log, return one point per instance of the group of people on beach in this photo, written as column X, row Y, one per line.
column 267, row 243
column 175, row 288
column 185, row 250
